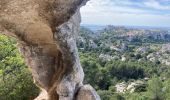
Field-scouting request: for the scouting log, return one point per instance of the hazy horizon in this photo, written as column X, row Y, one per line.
column 94, row 27
column 123, row 25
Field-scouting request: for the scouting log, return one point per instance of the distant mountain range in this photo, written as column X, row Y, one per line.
column 126, row 34
column 95, row 28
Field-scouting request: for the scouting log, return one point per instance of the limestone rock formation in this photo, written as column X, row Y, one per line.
column 46, row 31
column 87, row 93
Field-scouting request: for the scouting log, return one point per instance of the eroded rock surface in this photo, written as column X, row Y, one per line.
column 46, row 31
column 86, row 92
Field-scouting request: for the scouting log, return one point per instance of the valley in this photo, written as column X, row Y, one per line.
column 122, row 62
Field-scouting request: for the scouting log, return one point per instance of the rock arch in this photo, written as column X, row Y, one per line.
column 45, row 31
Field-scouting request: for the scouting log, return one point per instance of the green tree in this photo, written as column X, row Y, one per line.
column 155, row 89
column 16, row 80
column 166, row 89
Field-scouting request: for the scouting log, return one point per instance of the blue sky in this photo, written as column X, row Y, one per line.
column 127, row 12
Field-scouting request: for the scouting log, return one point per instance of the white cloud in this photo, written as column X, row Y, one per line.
column 156, row 5
column 108, row 6
column 127, row 19
column 107, row 12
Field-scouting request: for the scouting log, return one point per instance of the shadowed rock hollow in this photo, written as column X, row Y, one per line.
column 46, row 31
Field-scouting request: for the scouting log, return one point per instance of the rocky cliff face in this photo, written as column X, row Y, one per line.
column 46, row 31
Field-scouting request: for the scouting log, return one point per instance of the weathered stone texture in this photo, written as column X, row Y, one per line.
column 46, row 31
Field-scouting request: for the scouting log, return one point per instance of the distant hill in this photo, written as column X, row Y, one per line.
column 94, row 27
column 99, row 36
column 100, row 27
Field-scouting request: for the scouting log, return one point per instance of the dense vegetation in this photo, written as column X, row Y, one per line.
column 129, row 63
column 15, row 80
column 105, row 75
